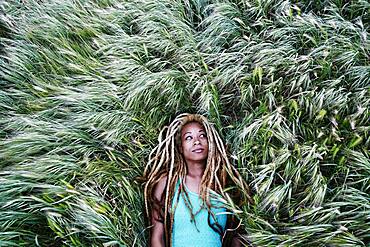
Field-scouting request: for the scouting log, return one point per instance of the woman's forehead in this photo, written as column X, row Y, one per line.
column 191, row 127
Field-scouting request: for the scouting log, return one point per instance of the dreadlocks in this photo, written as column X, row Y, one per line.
column 166, row 160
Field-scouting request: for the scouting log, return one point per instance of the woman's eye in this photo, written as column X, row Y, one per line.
column 203, row 136
column 188, row 138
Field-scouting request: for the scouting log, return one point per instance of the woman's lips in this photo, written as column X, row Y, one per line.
column 198, row 150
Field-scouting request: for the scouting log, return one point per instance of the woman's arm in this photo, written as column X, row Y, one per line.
column 157, row 236
column 236, row 239
column 236, row 242
column 157, row 230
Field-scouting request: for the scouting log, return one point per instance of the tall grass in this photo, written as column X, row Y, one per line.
column 86, row 87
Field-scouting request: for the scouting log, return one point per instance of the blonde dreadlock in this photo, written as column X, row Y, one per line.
column 166, row 160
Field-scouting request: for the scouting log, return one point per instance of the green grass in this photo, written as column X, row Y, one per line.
column 86, row 87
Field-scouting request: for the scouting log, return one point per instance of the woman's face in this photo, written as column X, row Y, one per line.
column 194, row 142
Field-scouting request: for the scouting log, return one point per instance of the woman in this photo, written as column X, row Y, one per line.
column 186, row 176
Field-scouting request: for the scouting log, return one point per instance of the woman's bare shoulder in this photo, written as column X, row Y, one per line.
column 159, row 187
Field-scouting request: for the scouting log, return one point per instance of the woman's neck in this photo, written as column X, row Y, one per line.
column 195, row 169
column 194, row 175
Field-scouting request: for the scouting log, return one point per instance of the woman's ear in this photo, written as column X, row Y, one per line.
column 179, row 147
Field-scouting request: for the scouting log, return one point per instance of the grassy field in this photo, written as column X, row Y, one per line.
column 86, row 86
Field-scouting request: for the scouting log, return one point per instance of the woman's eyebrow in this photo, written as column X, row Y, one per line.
column 186, row 133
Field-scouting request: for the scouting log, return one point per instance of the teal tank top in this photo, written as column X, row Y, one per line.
column 187, row 234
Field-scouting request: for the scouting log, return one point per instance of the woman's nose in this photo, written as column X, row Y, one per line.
column 196, row 142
